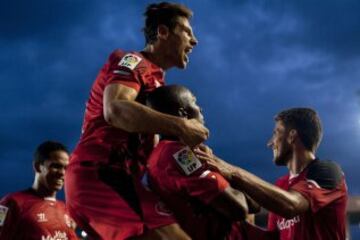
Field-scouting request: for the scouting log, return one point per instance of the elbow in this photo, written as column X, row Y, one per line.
column 110, row 113
column 291, row 210
column 116, row 116
column 288, row 213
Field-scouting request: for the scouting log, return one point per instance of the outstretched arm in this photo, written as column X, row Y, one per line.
column 284, row 203
column 121, row 111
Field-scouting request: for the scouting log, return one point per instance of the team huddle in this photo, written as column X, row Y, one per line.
column 141, row 169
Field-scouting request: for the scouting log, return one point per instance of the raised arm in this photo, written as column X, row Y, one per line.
column 122, row 111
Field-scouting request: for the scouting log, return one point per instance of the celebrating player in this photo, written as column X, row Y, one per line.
column 35, row 213
column 309, row 203
column 203, row 202
column 103, row 187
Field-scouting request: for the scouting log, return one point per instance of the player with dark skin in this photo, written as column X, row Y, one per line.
column 230, row 204
column 35, row 212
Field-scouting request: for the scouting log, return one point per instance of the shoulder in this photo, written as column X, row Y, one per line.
column 165, row 150
column 325, row 173
column 128, row 60
column 11, row 202
column 179, row 156
column 282, row 180
column 60, row 203
column 15, row 196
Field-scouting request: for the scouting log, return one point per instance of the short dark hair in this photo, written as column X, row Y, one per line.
column 44, row 150
column 163, row 13
column 167, row 99
column 307, row 123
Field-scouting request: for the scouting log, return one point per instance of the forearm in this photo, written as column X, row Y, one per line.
column 269, row 196
column 135, row 117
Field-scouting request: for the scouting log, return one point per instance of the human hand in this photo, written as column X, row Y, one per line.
column 205, row 154
column 193, row 133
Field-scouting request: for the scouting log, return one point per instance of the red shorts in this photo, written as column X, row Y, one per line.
column 110, row 204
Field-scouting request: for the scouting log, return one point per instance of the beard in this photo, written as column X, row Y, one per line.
column 284, row 155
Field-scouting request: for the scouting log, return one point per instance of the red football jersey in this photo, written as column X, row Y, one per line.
column 30, row 217
column 323, row 184
column 110, row 161
column 98, row 138
column 187, row 187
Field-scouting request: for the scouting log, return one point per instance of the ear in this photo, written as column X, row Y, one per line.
column 182, row 113
column 162, row 32
column 292, row 136
column 37, row 167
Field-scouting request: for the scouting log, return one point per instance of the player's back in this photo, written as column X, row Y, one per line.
column 187, row 196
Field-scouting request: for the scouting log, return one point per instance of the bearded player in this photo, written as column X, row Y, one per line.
column 103, row 187
column 309, row 203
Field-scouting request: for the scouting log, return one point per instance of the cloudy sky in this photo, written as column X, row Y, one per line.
column 254, row 59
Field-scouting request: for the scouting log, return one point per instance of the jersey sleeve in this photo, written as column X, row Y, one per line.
column 324, row 184
column 125, row 69
column 190, row 175
column 9, row 217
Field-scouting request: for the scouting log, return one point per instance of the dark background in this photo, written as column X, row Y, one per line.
column 254, row 59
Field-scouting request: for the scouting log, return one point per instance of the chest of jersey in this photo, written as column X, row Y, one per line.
column 45, row 220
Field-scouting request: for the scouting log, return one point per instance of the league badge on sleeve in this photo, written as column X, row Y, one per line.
column 187, row 160
column 3, row 213
column 130, row 61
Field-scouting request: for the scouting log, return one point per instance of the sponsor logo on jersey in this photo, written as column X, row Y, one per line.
column 287, row 223
column 187, row 160
column 130, row 61
column 58, row 235
column 3, row 213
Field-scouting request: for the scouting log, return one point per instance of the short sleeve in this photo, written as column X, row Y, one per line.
column 124, row 69
column 190, row 175
column 9, row 216
column 324, row 184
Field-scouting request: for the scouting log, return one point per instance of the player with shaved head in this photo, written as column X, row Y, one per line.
column 204, row 203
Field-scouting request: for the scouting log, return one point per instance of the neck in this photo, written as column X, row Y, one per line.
column 42, row 191
column 156, row 56
column 299, row 160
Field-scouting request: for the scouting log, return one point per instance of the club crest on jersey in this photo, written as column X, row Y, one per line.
column 130, row 61
column 3, row 213
column 187, row 160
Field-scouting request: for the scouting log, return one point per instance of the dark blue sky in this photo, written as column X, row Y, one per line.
column 254, row 59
